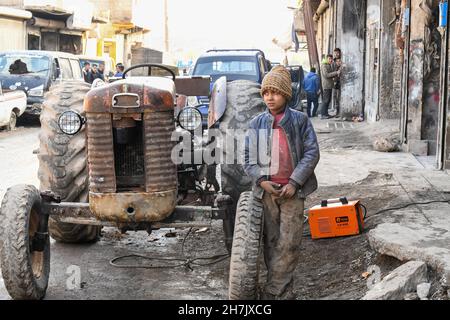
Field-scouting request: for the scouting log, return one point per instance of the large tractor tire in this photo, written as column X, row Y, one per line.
column 25, row 265
column 247, row 244
column 63, row 159
column 243, row 103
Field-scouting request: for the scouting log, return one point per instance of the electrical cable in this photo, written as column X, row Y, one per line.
column 187, row 262
column 406, row 206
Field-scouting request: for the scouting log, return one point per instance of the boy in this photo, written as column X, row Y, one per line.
column 283, row 185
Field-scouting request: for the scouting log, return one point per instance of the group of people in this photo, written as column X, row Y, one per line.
column 331, row 70
column 90, row 73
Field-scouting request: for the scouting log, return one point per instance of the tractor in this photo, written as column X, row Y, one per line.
column 105, row 159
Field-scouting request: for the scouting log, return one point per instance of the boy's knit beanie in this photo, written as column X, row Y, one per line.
column 279, row 80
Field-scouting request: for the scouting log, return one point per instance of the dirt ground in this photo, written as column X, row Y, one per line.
column 328, row 269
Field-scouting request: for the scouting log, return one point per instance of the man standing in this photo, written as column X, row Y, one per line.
column 119, row 70
column 337, row 86
column 337, row 54
column 95, row 74
column 311, row 85
column 328, row 74
column 87, row 72
column 282, row 185
column 101, row 71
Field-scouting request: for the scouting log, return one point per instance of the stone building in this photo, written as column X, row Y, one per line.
column 394, row 65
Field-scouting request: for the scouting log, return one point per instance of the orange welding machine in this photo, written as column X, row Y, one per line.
column 336, row 218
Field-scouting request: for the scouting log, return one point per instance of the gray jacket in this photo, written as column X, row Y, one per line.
column 302, row 142
column 328, row 74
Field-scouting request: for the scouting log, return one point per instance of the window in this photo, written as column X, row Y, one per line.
column 24, row 64
column 238, row 65
column 66, row 70
column 76, row 69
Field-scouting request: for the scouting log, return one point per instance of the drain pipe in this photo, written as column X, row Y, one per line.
column 324, row 4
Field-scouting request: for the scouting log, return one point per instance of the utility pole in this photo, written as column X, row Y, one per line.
column 166, row 27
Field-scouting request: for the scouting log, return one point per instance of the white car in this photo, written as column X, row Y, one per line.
column 12, row 105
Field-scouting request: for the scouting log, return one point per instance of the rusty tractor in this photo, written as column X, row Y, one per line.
column 105, row 160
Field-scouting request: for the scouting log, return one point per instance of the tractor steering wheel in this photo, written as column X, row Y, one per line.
column 149, row 66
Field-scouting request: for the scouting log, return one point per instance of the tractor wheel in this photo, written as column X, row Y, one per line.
column 243, row 103
column 12, row 122
column 244, row 265
column 25, row 268
column 63, row 159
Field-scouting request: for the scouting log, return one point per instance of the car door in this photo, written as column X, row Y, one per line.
column 65, row 68
column 76, row 69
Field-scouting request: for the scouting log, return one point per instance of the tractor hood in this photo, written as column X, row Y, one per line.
column 133, row 95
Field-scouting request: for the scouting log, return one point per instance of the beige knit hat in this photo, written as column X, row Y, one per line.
column 278, row 79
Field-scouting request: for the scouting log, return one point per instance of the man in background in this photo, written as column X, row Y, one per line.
column 119, row 70
column 87, row 72
column 337, row 86
column 328, row 75
column 311, row 85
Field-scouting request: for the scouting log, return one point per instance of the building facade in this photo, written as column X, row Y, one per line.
column 395, row 55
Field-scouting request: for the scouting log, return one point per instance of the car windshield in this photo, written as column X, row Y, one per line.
column 211, row 66
column 24, row 64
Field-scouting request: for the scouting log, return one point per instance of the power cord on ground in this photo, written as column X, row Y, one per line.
column 406, row 206
column 187, row 262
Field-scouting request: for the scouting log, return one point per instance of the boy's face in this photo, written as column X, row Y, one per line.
column 274, row 101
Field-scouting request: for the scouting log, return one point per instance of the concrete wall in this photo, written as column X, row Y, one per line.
column 390, row 65
column 13, row 34
column 423, row 80
column 350, row 38
column 431, row 81
column 372, row 61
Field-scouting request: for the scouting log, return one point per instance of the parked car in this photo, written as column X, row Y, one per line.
column 34, row 72
column 110, row 66
column 234, row 64
column 12, row 106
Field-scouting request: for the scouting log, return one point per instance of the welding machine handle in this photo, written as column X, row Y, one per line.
column 342, row 200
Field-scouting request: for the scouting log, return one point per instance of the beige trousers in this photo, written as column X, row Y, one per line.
column 283, row 230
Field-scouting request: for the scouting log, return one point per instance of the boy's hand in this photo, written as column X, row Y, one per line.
column 271, row 188
column 288, row 191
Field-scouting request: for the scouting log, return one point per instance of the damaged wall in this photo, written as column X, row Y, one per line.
column 423, row 80
column 350, row 38
column 390, row 64
column 372, row 60
column 431, row 80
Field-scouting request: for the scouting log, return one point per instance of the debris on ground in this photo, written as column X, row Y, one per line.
column 170, row 235
column 423, row 290
column 399, row 282
column 386, row 144
column 202, row 230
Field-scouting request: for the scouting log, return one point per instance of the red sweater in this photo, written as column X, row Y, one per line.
column 281, row 167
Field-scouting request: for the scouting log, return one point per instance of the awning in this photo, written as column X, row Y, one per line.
column 15, row 13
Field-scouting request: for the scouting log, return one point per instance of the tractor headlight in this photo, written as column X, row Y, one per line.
column 70, row 122
column 190, row 118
